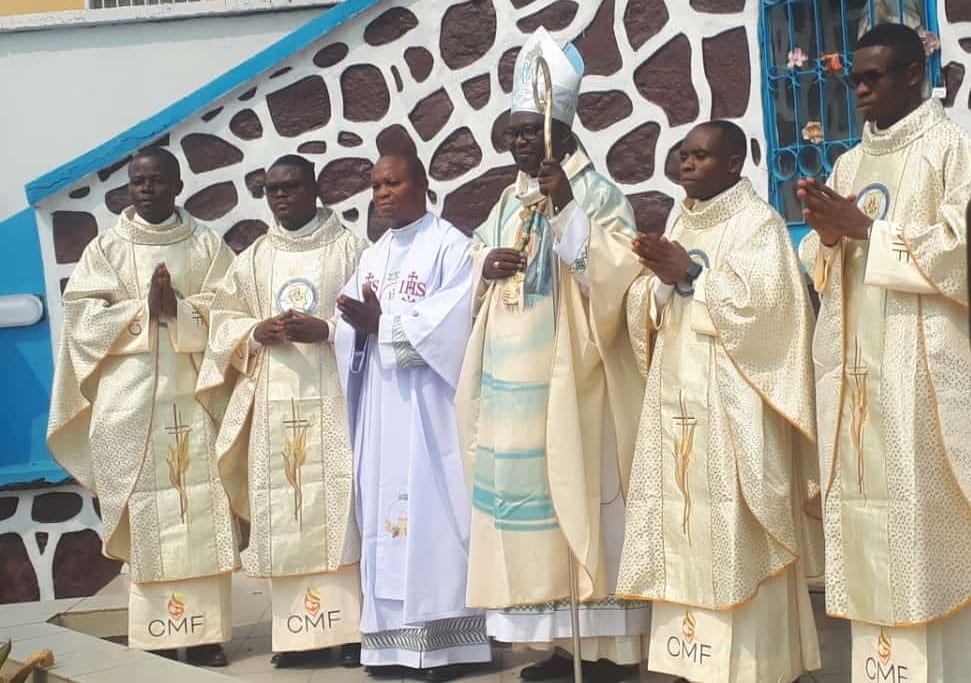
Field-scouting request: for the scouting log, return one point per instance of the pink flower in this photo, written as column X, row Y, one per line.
column 796, row 58
column 813, row 132
column 931, row 42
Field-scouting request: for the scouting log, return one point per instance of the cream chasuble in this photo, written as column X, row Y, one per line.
column 125, row 424
column 283, row 446
column 547, row 401
column 725, row 468
column 893, row 373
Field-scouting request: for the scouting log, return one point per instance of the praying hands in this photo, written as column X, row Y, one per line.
column 831, row 215
column 666, row 259
column 364, row 316
column 162, row 302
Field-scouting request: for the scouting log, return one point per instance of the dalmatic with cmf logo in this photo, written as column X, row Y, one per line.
column 313, row 617
column 690, row 642
column 882, row 654
column 178, row 621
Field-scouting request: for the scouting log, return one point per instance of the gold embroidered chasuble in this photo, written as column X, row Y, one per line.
column 562, row 364
column 725, row 468
column 893, row 373
column 283, row 446
column 123, row 419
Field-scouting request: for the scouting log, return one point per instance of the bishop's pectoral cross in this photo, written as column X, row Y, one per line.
column 178, row 458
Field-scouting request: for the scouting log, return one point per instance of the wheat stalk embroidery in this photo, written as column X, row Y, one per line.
column 178, row 459
column 684, row 442
column 859, row 409
column 294, row 457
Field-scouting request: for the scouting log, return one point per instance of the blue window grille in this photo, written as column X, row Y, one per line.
column 807, row 51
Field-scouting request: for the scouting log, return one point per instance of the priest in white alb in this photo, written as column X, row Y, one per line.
column 720, row 527
column 893, row 371
column 283, row 446
column 124, row 422
column 404, row 326
column 549, row 391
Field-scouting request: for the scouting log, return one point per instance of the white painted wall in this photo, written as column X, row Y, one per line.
column 67, row 90
column 951, row 51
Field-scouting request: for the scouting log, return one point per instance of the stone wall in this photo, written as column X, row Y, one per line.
column 50, row 545
column 955, row 21
column 435, row 75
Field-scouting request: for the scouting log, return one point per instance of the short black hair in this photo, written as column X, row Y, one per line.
column 733, row 139
column 162, row 155
column 415, row 166
column 903, row 41
column 304, row 165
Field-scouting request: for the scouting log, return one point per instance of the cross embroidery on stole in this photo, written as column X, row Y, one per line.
column 178, row 459
column 684, row 440
column 859, row 408
column 294, row 457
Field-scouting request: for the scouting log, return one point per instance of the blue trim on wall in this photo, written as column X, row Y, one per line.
column 28, row 367
column 154, row 127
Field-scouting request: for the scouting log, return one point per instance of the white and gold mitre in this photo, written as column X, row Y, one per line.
column 566, row 70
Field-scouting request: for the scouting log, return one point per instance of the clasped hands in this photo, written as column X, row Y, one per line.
column 504, row 262
column 668, row 260
column 831, row 215
column 162, row 302
column 365, row 315
column 291, row 326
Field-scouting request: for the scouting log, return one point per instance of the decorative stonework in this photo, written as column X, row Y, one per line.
column 434, row 76
column 956, row 56
column 957, row 10
column 50, row 545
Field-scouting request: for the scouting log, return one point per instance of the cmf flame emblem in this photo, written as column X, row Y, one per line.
column 311, row 602
column 176, row 606
column 688, row 626
column 884, row 647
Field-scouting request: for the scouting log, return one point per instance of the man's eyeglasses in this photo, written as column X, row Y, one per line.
column 529, row 133
column 871, row 77
column 288, row 187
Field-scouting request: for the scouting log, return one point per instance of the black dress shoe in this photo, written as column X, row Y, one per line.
column 449, row 672
column 388, row 671
column 207, row 655
column 350, row 655
column 554, row 667
column 605, row 671
column 172, row 654
column 290, row 660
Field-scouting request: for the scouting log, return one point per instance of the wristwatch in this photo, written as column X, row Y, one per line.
column 694, row 270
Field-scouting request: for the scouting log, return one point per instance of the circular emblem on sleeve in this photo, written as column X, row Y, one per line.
column 686, row 288
column 297, row 294
column 874, row 201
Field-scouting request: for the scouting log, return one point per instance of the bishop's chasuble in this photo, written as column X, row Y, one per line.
column 893, row 386
column 412, row 507
column 124, row 424
column 725, row 466
column 548, row 412
column 283, row 446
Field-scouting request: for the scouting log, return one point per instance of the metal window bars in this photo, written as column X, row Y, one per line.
column 810, row 116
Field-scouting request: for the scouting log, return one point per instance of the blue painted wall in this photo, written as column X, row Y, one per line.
column 26, row 362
